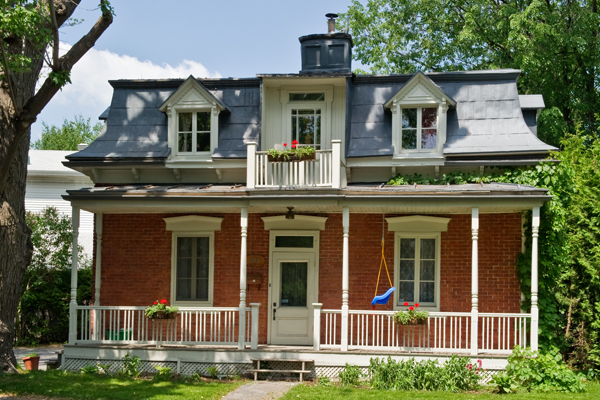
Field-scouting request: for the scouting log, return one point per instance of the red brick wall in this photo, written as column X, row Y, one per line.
column 136, row 262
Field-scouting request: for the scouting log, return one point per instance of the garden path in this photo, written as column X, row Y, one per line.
column 260, row 390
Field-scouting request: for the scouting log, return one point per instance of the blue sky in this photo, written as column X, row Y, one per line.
column 152, row 39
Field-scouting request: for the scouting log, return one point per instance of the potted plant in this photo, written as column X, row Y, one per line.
column 411, row 316
column 296, row 153
column 31, row 361
column 160, row 310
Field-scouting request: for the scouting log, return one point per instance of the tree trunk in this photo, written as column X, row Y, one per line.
column 15, row 250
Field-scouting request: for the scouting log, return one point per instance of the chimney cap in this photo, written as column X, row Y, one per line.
column 331, row 15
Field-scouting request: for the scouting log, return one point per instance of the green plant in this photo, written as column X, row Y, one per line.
column 296, row 152
column 411, row 315
column 131, row 366
column 158, row 306
column 323, row 381
column 32, row 354
column 350, row 375
column 89, row 369
column 504, row 383
column 103, row 368
column 534, row 371
column 213, row 372
column 163, row 373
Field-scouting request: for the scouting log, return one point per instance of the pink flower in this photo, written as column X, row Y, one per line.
column 469, row 366
column 406, row 303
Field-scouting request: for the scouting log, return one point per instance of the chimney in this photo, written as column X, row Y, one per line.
column 328, row 52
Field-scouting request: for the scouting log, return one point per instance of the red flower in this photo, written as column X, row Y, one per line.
column 285, row 145
column 411, row 308
column 156, row 302
column 416, row 304
column 163, row 301
column 294, row 143
column 405, row 303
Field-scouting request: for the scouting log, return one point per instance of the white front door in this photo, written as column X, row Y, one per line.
column 293, row 292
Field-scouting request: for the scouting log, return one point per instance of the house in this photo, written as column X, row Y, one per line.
column 47, row 181
column 281, row 260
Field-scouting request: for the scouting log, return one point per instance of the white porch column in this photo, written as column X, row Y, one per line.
column 317, row 326
column 345, row 277
column 251, row 165
column 74, row 257
column 254, row 329
column 474, row 280
column 535, row 315
column 98, row 277
column 243, row 257
column 336, row 163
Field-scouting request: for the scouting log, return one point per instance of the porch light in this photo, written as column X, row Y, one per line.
column 290, row 213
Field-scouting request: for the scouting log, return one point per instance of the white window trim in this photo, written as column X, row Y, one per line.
column 325, row 106
column 173, row 113
column 417, row 236
column 419, row 128
column 193, row 226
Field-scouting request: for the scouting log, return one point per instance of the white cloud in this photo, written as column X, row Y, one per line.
column 90, row 93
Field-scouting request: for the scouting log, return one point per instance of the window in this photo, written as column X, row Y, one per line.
column 419, row 129
column 306, row 122
column 193, row 129
column 418, row 261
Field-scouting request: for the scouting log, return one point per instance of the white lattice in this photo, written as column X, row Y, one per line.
column 225, row 369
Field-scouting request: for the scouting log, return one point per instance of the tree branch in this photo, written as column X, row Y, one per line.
column 54, row 34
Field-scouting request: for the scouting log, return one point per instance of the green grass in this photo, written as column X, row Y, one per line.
column 78, row 386
column 336, row 392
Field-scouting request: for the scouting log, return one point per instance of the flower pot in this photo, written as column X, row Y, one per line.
column 31, row 363
column 415, row 322
column 163, row 315
column 304, row 157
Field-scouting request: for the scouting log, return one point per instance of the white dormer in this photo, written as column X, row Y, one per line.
column 419, row 119
column 193, row 124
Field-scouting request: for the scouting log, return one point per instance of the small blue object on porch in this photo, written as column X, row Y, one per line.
column 383, row 299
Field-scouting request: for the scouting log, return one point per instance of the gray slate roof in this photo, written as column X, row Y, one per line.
column 487, row 118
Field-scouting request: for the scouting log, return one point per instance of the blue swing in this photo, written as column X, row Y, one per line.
column 384, row 298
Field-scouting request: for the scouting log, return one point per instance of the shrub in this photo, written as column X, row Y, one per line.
column 162, row 373
column 539, row 372
column 131, row 366
column 350, row 375
column 89, row 369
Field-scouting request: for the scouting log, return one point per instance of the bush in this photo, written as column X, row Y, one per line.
column 537, row 372
column 131, row 366
column 456, row 374
column 350, row 375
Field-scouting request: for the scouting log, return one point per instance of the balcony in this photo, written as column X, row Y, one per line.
column 323, row 171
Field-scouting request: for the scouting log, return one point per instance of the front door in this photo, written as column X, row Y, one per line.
column 293, row 293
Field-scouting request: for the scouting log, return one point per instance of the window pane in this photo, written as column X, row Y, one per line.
column 409, row 118
column 407, row 270
column 307, row 96
column 184, row 289
column 429, row 118
column 185, row 142
column 203, row 121
column 201, row 290
column 426, row 293
column 428, row 249
column 427, row 270
column 407, row 248
column 306, row 131
column 184, row 268
column 203, row 141
column 185, row 122
column 409, row 139
column 317, row 139
column 294, row 126
column 184, row 247
column 406, row 292
column 429, row 139
column 294, row 241
column 293, row 284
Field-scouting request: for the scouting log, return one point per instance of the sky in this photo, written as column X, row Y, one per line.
column 152, row 39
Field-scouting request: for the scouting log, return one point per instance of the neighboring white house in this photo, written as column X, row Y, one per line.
column 48, row 180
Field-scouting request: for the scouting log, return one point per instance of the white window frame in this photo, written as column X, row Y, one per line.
column 174, row 133
column 324, row 105
column 419, row 129
column 417, row 236
column 194, row 113
column 211, row 269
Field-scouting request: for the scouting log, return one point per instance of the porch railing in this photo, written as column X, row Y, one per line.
column 443, row 332
column 192, row 325
column 323, row 171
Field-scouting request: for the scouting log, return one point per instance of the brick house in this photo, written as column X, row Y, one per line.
column 281, row 260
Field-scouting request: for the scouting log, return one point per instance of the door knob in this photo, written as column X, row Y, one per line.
column 274, row 311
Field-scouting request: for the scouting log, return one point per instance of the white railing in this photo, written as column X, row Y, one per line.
column 443, row 332
column 192, row 325
column 500, row 333
column 323, row 171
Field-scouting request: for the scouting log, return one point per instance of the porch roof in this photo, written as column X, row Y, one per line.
column 364, row 198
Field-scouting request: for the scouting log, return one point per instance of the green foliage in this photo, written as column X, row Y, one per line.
column 212, row 371
column 537, row 372
column 160, row 305
column 60, row 78
column 350, row 376
column 162, row 374
column 323, row 381
column 89, row 369
column 296, row 152
column 504, row 383
column 43, row 311
column 131, row 366
column 104, row 368
column 411, row 315
column 554, row 43
column 32, row 354
column 456, row 374
column 68, row 136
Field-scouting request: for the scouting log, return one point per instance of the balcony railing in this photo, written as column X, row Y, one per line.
column 323, row 171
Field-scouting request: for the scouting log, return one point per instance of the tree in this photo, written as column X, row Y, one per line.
column 554, row 43
column 29, row 33
column 68, row 136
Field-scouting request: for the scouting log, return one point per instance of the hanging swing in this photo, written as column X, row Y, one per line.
column 384, row 298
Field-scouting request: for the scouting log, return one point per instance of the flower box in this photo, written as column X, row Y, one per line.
column 411, row 316
column 296, row 153
column 281, row 158
column 163, row 315
column 160, row 310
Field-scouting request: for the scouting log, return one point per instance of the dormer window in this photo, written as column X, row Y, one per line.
column 193, row 132
column 306, row 116
column 419, row 119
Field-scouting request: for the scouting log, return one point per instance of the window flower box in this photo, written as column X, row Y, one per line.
column 296, row 153
column 160, row 310
column 411, row 316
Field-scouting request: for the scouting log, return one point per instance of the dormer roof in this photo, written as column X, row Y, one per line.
column 192, row 92
column 420, row 89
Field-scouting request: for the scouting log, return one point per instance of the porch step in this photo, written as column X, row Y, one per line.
column 301, row 371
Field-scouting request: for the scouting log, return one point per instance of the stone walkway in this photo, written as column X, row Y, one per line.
column 260, row 390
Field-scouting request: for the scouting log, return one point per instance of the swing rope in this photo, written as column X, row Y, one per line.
column 383, row 262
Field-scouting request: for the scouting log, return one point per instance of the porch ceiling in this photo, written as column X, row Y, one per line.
column 410, row 199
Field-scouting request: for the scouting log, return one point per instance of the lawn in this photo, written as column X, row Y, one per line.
column 80, row 386
column 336, row 392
